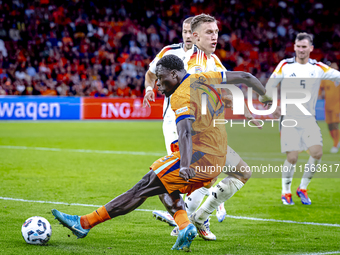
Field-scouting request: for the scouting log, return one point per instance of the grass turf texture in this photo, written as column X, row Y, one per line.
column 96, row 178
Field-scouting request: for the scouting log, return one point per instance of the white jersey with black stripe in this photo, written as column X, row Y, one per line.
column 299, row 77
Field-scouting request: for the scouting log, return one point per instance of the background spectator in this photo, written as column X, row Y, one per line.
column 103, row 48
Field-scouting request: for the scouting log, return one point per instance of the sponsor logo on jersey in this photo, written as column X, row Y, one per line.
column 292, row 75
column 181, row 110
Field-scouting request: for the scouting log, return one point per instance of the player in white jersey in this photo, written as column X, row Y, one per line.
column 304, row 74
column 181, row 50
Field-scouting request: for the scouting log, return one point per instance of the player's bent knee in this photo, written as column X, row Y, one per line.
column 247, row 174
column 244, row 170
column 292, row 159
column 172, row 202
column 317, row 155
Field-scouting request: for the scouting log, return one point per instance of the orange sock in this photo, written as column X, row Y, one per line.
column 336, row 137
column 98, row 216
column 181, row 219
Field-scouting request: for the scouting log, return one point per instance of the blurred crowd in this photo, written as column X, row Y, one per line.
column 103, row 48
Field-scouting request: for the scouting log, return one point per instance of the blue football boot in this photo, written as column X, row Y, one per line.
column 185, row 237
column 72, row 222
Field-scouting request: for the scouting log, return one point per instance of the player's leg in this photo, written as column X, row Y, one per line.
column 238, row 174
column 312, row 139
column 170, row 135
column 237, row 168
column 186, row 231
column 288, row 171
column 149, row 185
column 172, row 202
column 167, row 170
column 193, row 201
column 309, row 171
column 333, row 119
column 224, row 190
column 334, row 131
column 291, row 145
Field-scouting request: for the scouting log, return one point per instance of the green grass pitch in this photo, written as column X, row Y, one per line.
column 90, row 163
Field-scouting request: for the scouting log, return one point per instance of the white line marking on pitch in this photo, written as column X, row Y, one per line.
column 320, row 253
column 147, row 210
column 141, row 153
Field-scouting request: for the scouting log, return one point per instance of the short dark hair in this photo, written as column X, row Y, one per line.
column 304, row 35
column 199, row 19
column 171, row 62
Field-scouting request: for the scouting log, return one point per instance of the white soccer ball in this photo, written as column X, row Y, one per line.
column 36, row 230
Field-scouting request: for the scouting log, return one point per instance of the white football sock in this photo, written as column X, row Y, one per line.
column 193, row 201
column 310, row 168
column 224, row 190
column 288, row 170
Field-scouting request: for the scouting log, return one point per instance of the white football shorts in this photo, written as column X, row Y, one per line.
column 232, row 158
column 169, row 126
column 299, row 138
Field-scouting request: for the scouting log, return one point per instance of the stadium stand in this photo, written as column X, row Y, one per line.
column 103, row 48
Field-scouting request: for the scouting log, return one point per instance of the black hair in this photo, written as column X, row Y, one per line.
column 171, row 62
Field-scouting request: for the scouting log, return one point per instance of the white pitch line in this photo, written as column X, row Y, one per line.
column 148, row 210
column 283, row 159
column 59, row 203
column 141, row 153
column 320, row 253
column 284, row 221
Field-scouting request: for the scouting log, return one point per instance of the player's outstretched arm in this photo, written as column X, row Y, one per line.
column 228, row 102
column 234, row 77
column 185, row 148
column 250, row 117
column 150, row 79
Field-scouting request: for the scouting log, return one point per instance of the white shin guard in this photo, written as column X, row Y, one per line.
column 193, row 201
column 224, row 190
column 309, row 172
column 287, row 176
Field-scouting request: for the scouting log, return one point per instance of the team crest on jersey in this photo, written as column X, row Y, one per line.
column 197, row 83
column 181, row 110
column 198, row 69
column 312, row 74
